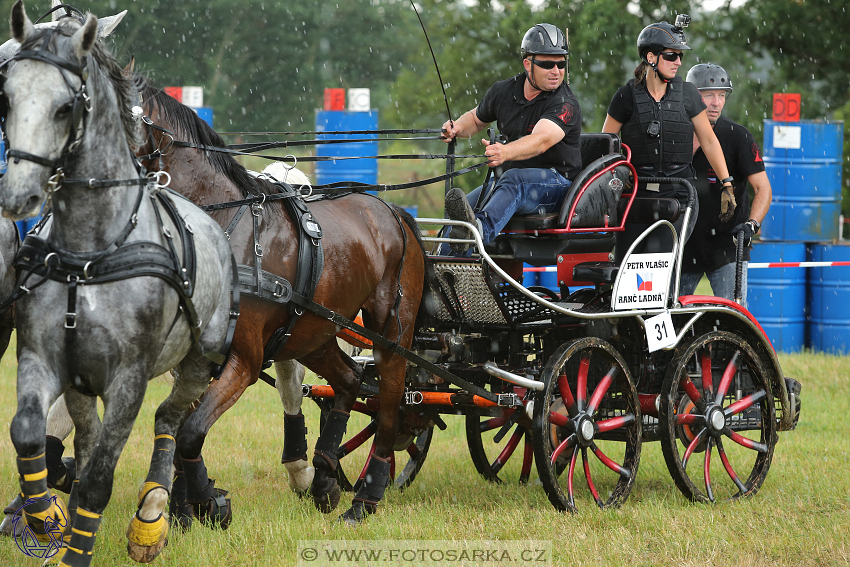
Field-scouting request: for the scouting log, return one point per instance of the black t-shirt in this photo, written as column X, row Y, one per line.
column 711, row 244
column 622, row 107
column 505, row 104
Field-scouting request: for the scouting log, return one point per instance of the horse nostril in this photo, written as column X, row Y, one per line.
column 32, row 205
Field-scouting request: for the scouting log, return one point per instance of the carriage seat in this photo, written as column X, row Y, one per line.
column 597, row 207
column 644, row 210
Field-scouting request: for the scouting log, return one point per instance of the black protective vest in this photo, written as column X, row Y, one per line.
column 672, row 150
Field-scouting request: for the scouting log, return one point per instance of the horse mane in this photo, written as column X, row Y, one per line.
column 193, row 130
column 109, row 67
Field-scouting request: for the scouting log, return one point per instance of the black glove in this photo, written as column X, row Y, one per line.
column 749, row 230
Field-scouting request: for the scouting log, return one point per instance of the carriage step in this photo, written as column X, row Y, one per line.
column 595, row 272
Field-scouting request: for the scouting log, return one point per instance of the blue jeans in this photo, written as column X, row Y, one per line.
column 722, row 282
column 521, row 191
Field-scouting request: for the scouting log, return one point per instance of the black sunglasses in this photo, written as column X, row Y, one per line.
column 549, row 64
column 672, row 56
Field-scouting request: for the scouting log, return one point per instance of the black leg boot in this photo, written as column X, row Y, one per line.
column 325, row 488
column 209, row 503
column 370, row 492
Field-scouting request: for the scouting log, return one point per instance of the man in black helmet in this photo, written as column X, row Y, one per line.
column 712, row 247
column 540, row 117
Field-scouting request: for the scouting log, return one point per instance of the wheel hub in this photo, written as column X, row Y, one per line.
column 585, row 429
column 716, row 419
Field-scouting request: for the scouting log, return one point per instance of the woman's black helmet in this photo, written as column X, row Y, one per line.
column 708, row 76
column 544, row 39
column 660, row 36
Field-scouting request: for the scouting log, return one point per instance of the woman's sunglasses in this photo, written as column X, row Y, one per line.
column 549, row 64
column 672, row 56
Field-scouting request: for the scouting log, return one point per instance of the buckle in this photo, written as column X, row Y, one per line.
column 70, row 320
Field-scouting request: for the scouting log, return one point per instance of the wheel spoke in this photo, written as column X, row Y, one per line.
column 728, row 374
column 707, row 470
column 558, row 419
column 506, row 453
column 601, row 390
column 586, row 462
column 567, row 394
column 622, row 471
column 356, row 441
column 361, row 407
column 392, row 464
column 492, row 423
column 615, row 423
column 728, row 466
column 691, row 448
column 691, row 390
column 705, row 367
column 745, row 442
column 413, row 450
column 581, row 384
column 687, row 419
column 570, row 477
column 556, row 454
column 744, row 403
column 527, row 459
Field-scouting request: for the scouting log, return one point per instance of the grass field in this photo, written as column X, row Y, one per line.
column 800, row 517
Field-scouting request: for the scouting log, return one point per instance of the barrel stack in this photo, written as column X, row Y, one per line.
column 802, row 307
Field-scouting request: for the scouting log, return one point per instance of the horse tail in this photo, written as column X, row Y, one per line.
column 427, row 309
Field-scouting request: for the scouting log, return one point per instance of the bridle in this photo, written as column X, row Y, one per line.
column 80, row 108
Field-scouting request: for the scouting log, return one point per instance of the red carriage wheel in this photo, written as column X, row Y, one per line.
column 587, row 420
column 717, row 415
column 501, row 445
column 409, row 451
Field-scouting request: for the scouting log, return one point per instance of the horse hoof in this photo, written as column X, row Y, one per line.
column 146, row 539
column 355, row 515
column 181, row 517
column 300, row 476
column 7, row 526
column 144, row 554
column 217, row 512
column 327, row 501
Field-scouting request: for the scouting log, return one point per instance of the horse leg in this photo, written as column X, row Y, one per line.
column 149, row 527
column 391, row 369
column 61, row 471
column 208, row 503
column 344, row 377
column 47, row 515
column 290, row 377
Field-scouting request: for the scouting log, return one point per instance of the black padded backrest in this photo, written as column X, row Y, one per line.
column 594, row 145
column 650, row 209
column 599, row 201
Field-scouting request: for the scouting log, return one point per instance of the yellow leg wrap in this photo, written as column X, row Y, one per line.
column 48, row 525
column 56, row 559
column 147, row 534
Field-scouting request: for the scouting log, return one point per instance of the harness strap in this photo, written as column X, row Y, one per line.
column 232, row 226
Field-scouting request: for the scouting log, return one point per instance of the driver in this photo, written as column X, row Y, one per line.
column 540, row 117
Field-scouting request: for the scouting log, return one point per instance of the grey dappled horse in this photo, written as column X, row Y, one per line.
column 68, row 122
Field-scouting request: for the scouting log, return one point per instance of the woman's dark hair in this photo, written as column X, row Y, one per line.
column 640, row 72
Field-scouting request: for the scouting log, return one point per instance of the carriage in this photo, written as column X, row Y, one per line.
column 609, row 360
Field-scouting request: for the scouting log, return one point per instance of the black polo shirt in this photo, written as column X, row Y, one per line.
column 505, row 104
column 711, row 245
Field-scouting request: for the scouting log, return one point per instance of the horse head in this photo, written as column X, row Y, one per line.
column 50, row 88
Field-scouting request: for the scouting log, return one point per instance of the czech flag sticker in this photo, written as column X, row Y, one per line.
column 644, row 282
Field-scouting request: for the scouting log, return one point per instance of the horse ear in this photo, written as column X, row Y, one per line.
column 130, row 69
column 107, row 24
column 57, row 14
column 84, row 38
column 20, row 23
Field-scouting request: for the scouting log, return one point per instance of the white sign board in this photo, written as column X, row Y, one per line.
column 193, row 96
column 359, row 100
column 660, row 332
column 787, row 137
column 643, row 282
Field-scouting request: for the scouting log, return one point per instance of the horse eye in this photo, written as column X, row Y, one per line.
column 65, row 110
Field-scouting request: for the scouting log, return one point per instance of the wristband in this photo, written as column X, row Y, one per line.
column 729, row 179
column 756, row 225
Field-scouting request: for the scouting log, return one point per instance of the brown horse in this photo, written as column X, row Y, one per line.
column 374, row 262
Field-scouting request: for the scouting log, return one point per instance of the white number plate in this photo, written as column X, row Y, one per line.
column 660, row 332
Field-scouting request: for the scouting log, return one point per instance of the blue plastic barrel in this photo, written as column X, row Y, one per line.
column 360, row 170
column 548, row 279
column 2, row 154
column 803, row 165
column 777, row 296
column 829, row 303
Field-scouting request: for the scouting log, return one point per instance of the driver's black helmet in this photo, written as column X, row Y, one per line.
column 660, row 36
column 708, row 76
column 544, row 39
